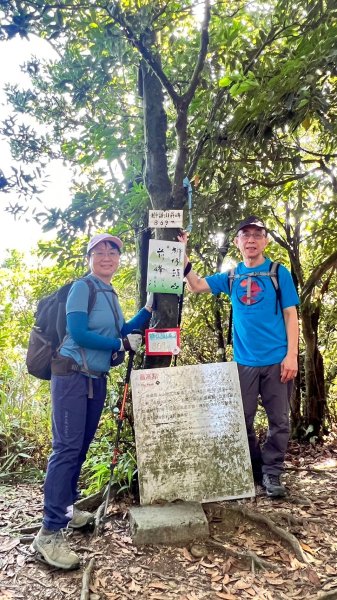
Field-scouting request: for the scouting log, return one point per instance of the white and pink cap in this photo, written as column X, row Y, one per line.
column 104, row 237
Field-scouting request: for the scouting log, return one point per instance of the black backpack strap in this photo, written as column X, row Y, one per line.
column 92, row 294
column 273, row 270
column 231, row 277
column 230, row 326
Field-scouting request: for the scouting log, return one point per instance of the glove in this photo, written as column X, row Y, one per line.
column 149, row 301
column 131, row 342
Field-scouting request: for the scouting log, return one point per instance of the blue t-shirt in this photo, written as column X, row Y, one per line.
column 259, row 334
column 102, row 321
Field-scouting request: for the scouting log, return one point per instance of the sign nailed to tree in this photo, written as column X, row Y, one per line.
column 162, row 342
column 165, row 218
column 165, row 270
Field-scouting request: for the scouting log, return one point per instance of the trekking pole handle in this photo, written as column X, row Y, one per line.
column 131, row 357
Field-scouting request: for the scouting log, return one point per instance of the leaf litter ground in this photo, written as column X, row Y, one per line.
column 200, row 571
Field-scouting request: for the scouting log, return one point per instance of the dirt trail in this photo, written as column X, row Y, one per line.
column 200, row 572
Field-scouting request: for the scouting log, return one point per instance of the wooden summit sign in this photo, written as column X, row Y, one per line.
column 190, row 434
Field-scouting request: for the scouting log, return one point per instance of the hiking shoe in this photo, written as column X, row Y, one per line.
column 81, row 518
column 55, row 550
column 273, row 486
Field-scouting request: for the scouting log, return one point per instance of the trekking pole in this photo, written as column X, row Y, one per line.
column 120, row 422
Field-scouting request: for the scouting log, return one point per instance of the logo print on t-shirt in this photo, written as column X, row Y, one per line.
column 257, row 291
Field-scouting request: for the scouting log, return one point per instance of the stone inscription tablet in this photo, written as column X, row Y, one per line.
column 190, row 434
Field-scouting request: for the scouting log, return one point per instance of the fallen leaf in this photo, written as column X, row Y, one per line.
column 192, row 568
column 133, row 586
column 135, row 570
column 330, row 570
column 331, row 585
column 313, row 577
column 295, row 564
column 276, row 581
column 226, row 567
column 158, row 585
column 216, row 577
column 20, row 560
column 241, row 585
column 225, row 596
column 207, row 565
column 217, row 587
column 187, row 555
column 307, row 548
column 285, row 557
column 9, row 545
column 269, row 552
column 6, row 595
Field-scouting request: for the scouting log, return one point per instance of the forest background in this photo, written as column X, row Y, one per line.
column 240, row 98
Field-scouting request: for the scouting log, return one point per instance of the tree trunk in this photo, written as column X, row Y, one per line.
column 159, row 187
column 218, row 318
column 142, row 238
column 296, row 418
column 156, row 176
column 315, row 400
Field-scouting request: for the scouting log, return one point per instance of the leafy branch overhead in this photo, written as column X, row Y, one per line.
column 240, row 97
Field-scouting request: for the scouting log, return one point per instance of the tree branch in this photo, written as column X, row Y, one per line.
column 271, row 184
column 219, row 97
column 146, row 54
column 316, row 274
column 204, row 41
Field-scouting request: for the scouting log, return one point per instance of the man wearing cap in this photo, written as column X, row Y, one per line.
column 265, row 344
column 78, row 386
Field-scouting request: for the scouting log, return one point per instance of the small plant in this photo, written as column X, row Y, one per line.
column 96, row 469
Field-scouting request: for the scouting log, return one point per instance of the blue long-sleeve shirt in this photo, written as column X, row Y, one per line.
column 99, row 332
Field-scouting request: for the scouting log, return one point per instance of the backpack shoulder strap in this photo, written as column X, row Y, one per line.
column 111, row 301
column 273, row 271
column 231, row 277
column 92, row 294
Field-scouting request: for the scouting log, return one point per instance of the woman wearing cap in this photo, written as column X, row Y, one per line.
column 78, row 387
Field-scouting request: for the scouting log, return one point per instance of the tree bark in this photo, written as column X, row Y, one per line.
column 315, row 399
column 159, row 187
column 142, row 238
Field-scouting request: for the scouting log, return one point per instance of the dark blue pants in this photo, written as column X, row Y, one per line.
column 275, row 396
column 75, row 419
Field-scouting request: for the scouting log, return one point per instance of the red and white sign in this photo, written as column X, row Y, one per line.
column 162, row 342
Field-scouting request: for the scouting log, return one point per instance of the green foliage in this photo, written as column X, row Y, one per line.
column 96, row 469
column 25, row 428
column 261, row 133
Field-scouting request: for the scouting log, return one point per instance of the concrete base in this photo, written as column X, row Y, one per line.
column 168, row 523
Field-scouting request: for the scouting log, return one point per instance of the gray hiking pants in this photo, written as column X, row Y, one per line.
column 275, row 396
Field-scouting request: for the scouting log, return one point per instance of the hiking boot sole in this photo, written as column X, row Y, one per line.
column 40, row 556
column 87, row 522
column 276, row 494
column 89, row 526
